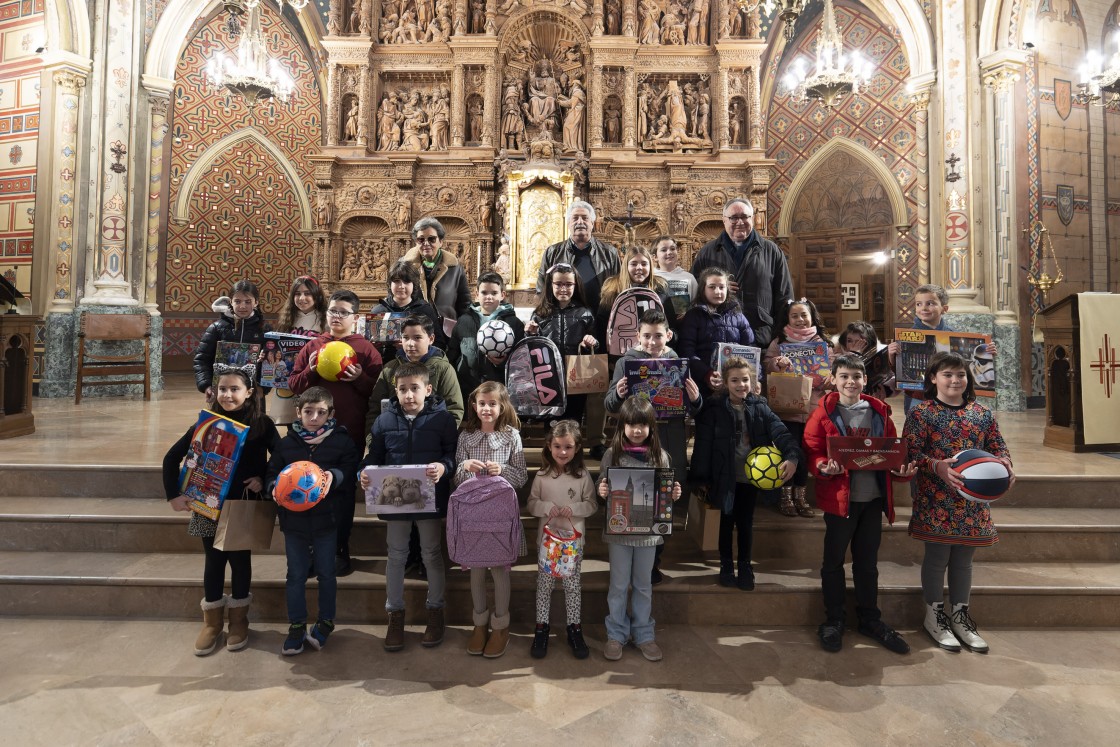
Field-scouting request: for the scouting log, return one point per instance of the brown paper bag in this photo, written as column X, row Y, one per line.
column 789, row 394
column 587, row 374
column 245, row 525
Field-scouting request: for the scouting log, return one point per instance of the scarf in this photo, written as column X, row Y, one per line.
column 315, row 438
column 638, row 451
column 793, row 334
column 435, row 261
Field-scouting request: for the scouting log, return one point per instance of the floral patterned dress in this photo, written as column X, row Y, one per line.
column 935, row 430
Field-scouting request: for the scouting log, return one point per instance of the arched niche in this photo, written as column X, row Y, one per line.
column 538, row 200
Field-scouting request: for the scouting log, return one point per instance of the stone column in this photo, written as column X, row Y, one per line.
column 720, row 105
column 629, row 109
column 68, row 85
column 491, row 113
column 754, row 93
column 458, row 83
column 459, row 20
column 159, row 92
column 630, row 18
column 331, row 124
column 364, row 107
column 491, row 26
column 597, row 18
column 920, row 99
column 595, row 101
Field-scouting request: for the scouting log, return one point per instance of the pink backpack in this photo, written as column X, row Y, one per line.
column 626, row 317
column 484, row 523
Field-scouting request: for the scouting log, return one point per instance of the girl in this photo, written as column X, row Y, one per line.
column 681, row 284
column 490, row 442
column 798, row 322
column 561, row 490
column 948, row 421
column 635, row 444
column 239, row 320
column 236, row 398
column 305, row 314
column 563, row 316
column 406, row 299
column 637, row 272
column 860, row 338
column 715, row 317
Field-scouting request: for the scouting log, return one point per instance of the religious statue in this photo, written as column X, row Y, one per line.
column 502, row 263
column 543, row 91
column 703, row 114
column 513, row 126
column 404, row 211
column 705, row 10
column 575, row 103
column 612, row 11
column 650, row 14
column 612, row 122
column 733, row 124
column 350, row 269
column 425, row 12
column 572, row 53
column 478, row 16
column 693, row 33
column 673, row 124
column 389, row 122
column 350, row 130
column 408, row 31
column 677, row 216
column 484, row 211
column 355, row 17
column 439, row 116
column 474, row 120
column 414, row 132
column 508, row 7
column 388, row 28
column 324, row 211
column 645, row 98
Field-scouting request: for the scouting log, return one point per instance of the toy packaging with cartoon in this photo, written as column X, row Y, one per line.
column 661, row 381
column 400, row 489
column 917, row 346
column 211, row 459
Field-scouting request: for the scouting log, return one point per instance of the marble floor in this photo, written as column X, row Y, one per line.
column 85, row 682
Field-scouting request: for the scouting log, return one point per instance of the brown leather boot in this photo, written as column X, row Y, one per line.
column 213, row 620
column 433, row 634
column 496, row 645
column 477, row 644
column 394, row 636
column 785, row 505
column 802, row 505
column 238, row 636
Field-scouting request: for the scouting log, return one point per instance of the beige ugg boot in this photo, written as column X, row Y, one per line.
column 213, row 619
column 238, row 636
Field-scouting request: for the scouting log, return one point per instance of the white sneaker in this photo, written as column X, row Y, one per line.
column 939, row 628
column 965, row 629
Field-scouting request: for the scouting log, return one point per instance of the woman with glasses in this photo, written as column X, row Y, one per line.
column 444, row 279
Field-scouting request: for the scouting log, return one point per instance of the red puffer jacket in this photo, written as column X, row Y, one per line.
column 834, row 491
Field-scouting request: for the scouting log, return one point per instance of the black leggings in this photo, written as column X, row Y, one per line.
column 801, row 474
column 741, row 518
column 214, row 574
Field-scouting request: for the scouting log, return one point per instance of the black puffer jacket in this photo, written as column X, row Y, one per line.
column 567, row 327
column 717, row 433
column 336, row 452
column 227, row 328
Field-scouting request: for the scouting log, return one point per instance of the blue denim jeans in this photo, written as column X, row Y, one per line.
column 298, row 546
column 431, row 550
column 631, row 568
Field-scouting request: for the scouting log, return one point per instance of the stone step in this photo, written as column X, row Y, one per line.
column 148, row 525
column 168, row 586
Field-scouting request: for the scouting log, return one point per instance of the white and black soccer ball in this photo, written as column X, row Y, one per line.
column 495, row 339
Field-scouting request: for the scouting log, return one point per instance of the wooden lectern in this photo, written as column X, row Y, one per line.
column 17, row 334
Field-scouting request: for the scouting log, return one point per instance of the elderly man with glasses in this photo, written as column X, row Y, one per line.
column 758, row 268
column 594, row 261
column 444, row 283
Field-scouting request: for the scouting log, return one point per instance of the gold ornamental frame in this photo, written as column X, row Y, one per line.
column 524, row 277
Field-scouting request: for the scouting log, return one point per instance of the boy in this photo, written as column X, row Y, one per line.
column 727, row 428
column 415, row 428
column 682, row 284
column 417, row 335
column 469, row 363
column 654, row 336
column 351, row 393
column 931, row 302
column 311, row 536
column 852, row 502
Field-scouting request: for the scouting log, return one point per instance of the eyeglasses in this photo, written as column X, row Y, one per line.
column 338, row 313
column 741, row 218
column 427, row 239
column 560, row 267
column 563, row 285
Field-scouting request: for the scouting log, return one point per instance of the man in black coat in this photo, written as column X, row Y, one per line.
column 759, row 273
column 593, row 260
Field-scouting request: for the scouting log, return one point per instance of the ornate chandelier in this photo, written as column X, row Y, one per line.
column 835, row 75
column 1099, row 74
column 253, row 75
column 788, row 11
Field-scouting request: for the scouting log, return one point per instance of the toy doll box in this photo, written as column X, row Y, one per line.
column 403, row 489
column 640, row 500
column 858, row 452
column 210, row 462
column 918, row 346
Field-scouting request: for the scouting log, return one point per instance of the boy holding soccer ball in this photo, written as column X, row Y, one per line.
column 473, row 362
column 729, row 426
column 852, row 502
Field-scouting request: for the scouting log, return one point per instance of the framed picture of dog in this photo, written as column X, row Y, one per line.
column 400, row 489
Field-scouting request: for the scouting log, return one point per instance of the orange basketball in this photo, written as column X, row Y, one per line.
column 301, row 485
column 334, row 358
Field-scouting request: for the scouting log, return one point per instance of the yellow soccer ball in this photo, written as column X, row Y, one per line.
column 333, row 359
column 762, row 468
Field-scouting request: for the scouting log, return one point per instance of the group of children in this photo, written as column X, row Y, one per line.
column 408, row 410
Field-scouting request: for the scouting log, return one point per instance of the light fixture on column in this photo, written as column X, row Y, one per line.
column 1100, row 74
column 253, row 75
column 788, row 11
column 835, row 74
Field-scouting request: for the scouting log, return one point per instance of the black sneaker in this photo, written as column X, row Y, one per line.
column 746, row 579
column 831, row 634
column 884, row 634
column 293, row 644
column 342, row 565
column 539, row 649
column 575, row 640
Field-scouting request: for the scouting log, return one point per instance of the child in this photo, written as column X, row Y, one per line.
column 852, row 502
column 636, row 272
column 930, row 304
column 563, row 316
column 948, row 421
column 635, row 444
column 405, row 297
column 490, row 443
column 800, row 323
column 727, row 428
column 860, row 339
column 415, row 428
column 715, row 317
column 469, row 363
column 681, row 284
column 562, row 489
column 239, row 320
column 310, row 537
column 418, row 333
column 654, row 336
column 304, row 314
column 351, row 393
column 236, row 398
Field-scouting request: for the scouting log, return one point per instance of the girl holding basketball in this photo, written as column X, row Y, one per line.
column 949, row 421
column 237, row 399
column 490, row 444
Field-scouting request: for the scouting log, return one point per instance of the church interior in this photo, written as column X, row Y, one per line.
column 160, row 150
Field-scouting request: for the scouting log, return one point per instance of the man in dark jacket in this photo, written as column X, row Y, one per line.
column 758, row 268
column 445, row 279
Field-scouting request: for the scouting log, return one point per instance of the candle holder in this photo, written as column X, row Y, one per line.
column 1044, row 281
